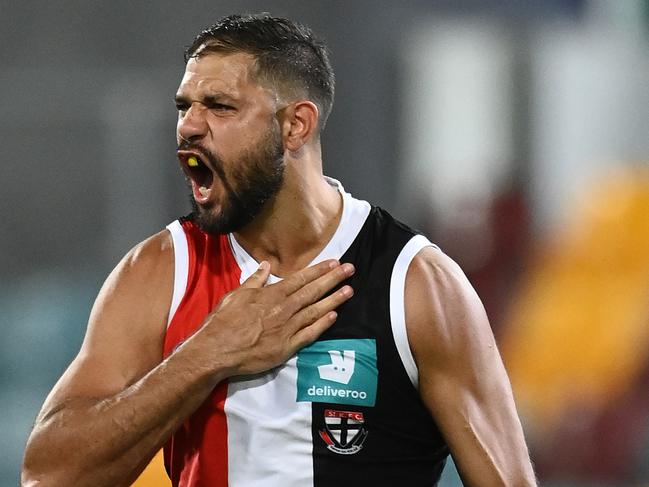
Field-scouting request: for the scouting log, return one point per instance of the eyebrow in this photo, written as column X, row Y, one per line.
column 215, row 97
column 180, row 99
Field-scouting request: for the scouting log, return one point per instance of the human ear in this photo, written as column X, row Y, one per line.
column 299, row 124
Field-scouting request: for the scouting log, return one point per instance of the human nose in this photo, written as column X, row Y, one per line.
column 192, row 124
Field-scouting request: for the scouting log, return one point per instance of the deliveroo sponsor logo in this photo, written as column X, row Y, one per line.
column 338, row 371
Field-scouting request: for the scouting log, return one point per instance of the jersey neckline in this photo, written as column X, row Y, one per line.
column 353, row 217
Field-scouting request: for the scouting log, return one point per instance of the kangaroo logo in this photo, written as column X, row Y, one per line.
column 338, row 372
column 341, row 367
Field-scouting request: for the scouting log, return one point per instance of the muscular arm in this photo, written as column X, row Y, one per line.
column 118, row 402
column 462, row 379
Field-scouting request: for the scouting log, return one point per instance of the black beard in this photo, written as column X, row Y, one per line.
column 255, row 179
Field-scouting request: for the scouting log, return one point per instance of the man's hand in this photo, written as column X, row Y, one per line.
column 257, row 327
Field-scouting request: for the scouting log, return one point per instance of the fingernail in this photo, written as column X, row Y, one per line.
column 349, row 269
column 347, row 291
column 333, row 264
column 264, row 265
column 333, row 315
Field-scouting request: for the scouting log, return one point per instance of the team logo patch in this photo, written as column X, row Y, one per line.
column 344, row 431
column 338, row 372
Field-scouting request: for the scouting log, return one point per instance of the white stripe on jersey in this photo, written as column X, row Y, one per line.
column 266, row 425
column 181, row 266
column 397, row 304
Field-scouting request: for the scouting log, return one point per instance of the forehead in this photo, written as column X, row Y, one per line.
column 228, row 73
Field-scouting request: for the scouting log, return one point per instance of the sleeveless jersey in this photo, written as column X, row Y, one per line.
column 344, row 410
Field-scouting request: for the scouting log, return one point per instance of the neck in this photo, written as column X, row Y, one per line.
column 297, row 223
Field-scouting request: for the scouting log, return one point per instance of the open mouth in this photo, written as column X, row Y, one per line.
column 198, row 173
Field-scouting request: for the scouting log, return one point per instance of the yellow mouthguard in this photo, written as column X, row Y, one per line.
column 192, row 162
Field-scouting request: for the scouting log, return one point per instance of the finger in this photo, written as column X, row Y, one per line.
column 259, row 277
column 305, row 276
column 314, row 290
column 314, row 312
column 308, row 335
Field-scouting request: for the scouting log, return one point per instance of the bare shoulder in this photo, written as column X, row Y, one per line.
column 444, row 315
column 462, row 380
column 133, row 303
column 150, row 262
column 138, row 291
column 126, row 328
column 148, row 258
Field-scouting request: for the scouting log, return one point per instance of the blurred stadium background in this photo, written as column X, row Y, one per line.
column 515, row 133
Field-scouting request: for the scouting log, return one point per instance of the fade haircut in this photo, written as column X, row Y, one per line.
column 287, row 55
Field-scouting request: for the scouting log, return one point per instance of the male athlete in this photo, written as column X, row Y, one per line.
column 286, row 333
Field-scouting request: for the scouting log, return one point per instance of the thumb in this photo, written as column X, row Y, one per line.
column 259, row 277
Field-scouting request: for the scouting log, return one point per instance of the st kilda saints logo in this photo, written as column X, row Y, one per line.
column 344, row 431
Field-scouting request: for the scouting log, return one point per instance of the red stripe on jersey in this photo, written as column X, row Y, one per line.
column 197, row 455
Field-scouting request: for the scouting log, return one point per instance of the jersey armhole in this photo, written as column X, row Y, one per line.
column 397, row 304
column 181, row 266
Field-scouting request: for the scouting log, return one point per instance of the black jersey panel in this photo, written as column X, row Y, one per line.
column 395, row 440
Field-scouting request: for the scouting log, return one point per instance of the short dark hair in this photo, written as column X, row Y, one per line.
column 286, row 53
